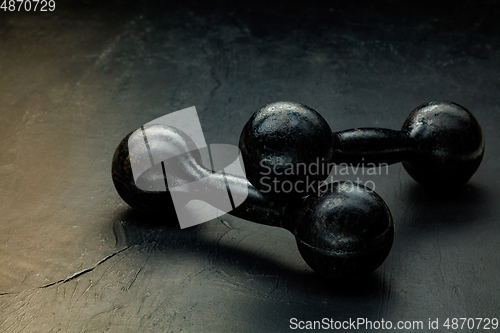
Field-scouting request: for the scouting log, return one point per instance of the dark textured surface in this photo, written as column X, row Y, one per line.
column 74, row 82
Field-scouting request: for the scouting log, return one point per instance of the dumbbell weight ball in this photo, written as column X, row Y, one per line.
column 342, row 231
column 440, row 144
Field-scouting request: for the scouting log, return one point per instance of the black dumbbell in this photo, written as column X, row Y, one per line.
column 342, row 231
column 289, row 149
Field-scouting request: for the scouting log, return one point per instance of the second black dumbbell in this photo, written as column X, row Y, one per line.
column 289, row 149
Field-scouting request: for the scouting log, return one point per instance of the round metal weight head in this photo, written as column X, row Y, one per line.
column 450, row 144
column 146, row 192
column 345, row 232
column 286, row 148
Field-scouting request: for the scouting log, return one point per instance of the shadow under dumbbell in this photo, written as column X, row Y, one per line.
column 445, row 207
column 247, row 252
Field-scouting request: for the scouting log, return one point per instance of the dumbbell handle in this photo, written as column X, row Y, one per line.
column 372, row 145
column 256, row 207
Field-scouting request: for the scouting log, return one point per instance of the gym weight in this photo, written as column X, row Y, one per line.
column 342, row 231
column 440, row 144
